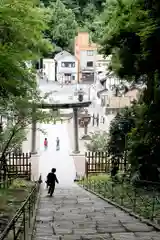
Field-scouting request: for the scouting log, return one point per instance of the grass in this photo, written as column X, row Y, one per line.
column 143, row 201
column 12, row 198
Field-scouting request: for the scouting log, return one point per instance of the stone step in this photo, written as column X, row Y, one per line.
column 75, row 214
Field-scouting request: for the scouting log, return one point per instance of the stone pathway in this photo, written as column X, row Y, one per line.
column 61, row 160
column 74, row 214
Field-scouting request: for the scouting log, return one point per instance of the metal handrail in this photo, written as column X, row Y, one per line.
column 22, row 219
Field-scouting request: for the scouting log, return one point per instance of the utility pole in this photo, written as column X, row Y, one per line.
column 75, row 122
column 89, row 93
column 78, row 78
column 125, row 153
column 34, row 127
column 94, row 66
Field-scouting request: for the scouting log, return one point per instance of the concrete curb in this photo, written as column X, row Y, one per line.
column 77, row 154
column 143, row 220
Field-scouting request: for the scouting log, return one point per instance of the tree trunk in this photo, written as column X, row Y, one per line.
column 3, row 156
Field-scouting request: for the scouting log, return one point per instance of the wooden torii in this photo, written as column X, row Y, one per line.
column 75, row 106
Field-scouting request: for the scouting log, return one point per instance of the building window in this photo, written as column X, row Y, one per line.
column 68, row 64
column 67, row 77
column 73, row 77
column 89, row 52
column 89, row 64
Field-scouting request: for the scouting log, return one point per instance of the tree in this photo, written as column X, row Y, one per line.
column 131, row 34
column 22, row 40
column 98, row 142
column 22, row 24
column 144, row 143
column 88, row 15
column 120, row 126
column 62, row 25
column 20, row 118
column 84, row 11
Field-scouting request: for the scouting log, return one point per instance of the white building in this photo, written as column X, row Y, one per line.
column 49, row 69
column 109, row 80
column 102, row 63
column 66, row 67
column 87, row 64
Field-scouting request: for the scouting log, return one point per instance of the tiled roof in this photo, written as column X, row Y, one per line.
column 61, row 55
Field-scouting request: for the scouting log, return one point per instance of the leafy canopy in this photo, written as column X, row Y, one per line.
column 98, row 142
column 21, row 40
column 22, row 24
column 130, row 34
column 62, row 25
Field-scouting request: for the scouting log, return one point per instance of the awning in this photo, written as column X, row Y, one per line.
column 87, row 71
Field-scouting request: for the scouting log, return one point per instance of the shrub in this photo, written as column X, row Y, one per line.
column 98, row 142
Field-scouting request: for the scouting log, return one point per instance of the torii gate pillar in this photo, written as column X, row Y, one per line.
column 34, row 131
column 75, row 126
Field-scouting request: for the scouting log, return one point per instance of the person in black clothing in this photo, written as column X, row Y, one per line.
column 51, row 180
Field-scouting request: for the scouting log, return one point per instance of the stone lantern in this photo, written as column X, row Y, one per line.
column 86, row 118
column 80, row 95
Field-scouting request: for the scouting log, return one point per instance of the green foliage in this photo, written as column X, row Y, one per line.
column 12, row 198
column 21, row 184
column 78, row 3
column 131, row 34
column 120, row 126
column 144, row 145
column 62, row 25
column 99, row 177
column 139, row 200
column 84, row 11
column 22, row 24
column 88, row 14
column 12, row 137
column 136, row 130
column 98, row 142
column 129, row 30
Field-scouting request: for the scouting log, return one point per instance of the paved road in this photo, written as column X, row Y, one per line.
column 74, row 214
column 63, row 93
column 59, row 159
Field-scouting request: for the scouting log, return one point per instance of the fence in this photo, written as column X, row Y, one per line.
column 99, row 162
column 19, row 165
column 143, row 200
column 20, row 224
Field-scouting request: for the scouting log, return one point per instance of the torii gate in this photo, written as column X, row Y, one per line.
column 75, row 106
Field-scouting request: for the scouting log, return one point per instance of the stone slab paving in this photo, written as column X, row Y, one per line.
column 74, row 214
